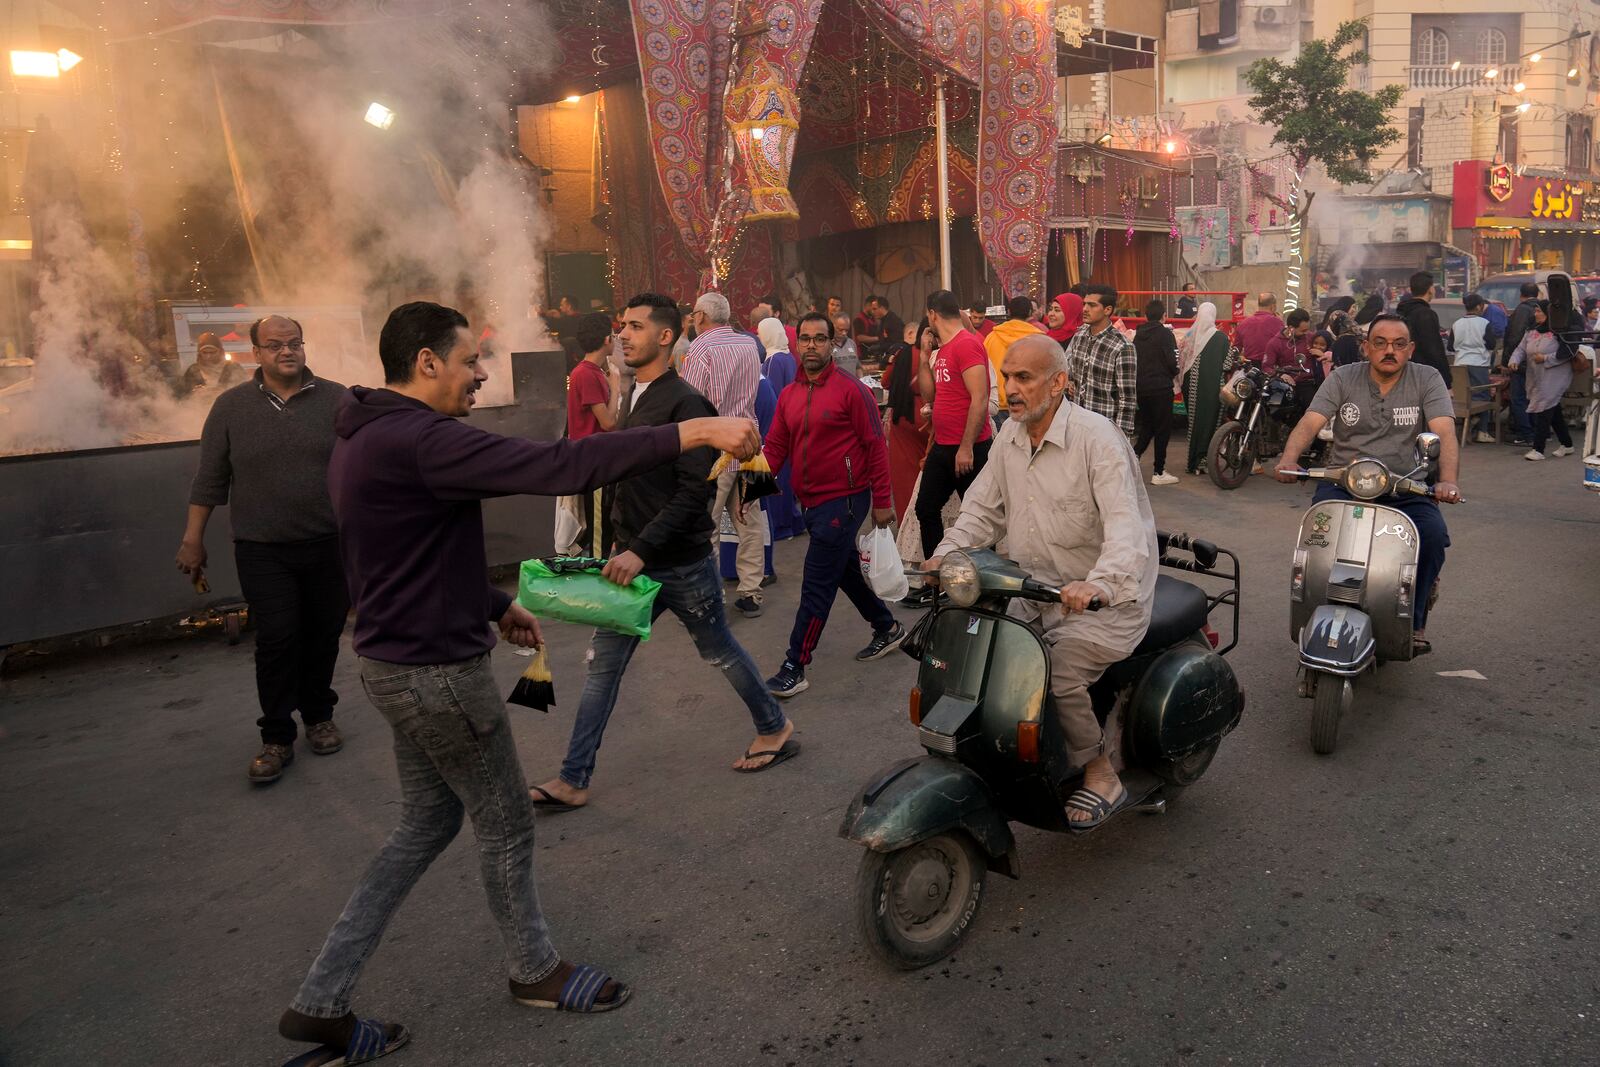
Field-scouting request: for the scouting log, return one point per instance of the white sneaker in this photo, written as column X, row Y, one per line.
column 1484, row 438
column 1164, row 479
column 1532, row 454
column 1562, row 451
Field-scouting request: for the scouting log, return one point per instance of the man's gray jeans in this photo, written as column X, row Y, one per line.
column 453, row 745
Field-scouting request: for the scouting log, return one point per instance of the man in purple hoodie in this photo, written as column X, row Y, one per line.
column 406, row 479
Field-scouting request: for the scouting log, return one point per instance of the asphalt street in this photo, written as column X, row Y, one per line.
column 1424, row 896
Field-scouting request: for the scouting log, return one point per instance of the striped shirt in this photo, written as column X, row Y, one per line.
column 1104, row 372
column 722, row 365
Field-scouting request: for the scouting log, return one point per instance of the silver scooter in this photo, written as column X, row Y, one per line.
column 1353, row 586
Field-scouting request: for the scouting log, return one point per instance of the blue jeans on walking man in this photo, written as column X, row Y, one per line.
column 833, row 564
column 456, row 756
column 1478, row 378
column 692, row 592
column 1432, row 535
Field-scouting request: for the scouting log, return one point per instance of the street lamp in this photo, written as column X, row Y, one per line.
column 30, row 64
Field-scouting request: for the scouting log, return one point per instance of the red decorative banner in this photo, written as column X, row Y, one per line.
column 1016, row 141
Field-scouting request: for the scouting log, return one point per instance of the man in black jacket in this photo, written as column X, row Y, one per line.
column 1427, row 336
column 1157, row 352
column 1521, row 319
column 663, row 525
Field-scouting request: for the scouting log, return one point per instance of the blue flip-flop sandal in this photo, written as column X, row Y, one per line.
column 581, row 993
column 1099, row 808
column 368, row 1042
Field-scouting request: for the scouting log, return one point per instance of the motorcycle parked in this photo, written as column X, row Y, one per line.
column 935, row 825
column 1352, row 587
column 1266, row 411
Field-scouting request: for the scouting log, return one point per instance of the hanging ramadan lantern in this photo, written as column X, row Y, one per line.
column 763, row 114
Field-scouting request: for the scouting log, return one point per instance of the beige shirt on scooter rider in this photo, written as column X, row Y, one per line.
column 1073, row 511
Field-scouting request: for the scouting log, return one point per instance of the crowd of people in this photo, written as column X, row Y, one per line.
column 370, row 498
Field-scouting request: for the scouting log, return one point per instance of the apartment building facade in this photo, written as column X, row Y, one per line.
column 1491, row 90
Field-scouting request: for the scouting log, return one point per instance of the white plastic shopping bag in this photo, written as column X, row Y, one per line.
column 880, row 564
column 569, row 525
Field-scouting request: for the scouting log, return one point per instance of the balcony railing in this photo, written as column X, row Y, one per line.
column 1455, row 77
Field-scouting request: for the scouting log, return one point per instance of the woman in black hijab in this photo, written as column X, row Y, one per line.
column 1340, row 306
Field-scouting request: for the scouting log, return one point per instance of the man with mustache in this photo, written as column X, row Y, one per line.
column 406, row 479
column 1377, row 408
column 264, row 454
column 1062, row 489
column 829, row 426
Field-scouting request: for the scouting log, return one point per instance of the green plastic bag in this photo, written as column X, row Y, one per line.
column 571, row 589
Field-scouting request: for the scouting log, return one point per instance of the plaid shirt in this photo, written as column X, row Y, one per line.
column 1105, row 373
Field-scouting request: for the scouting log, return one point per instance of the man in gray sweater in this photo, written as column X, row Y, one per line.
column 264, row 451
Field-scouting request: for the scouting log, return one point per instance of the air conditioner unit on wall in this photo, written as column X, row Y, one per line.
column 1269, row 16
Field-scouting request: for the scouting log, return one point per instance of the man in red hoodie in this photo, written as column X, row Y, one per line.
column 828, row 425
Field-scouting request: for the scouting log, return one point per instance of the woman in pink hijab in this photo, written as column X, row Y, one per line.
column 1064, row 317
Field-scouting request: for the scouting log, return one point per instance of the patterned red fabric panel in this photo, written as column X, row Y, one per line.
column 684, row 80
column 1016, row 141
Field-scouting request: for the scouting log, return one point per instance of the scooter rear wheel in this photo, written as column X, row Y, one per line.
column 1333, row 698
column 915, row 904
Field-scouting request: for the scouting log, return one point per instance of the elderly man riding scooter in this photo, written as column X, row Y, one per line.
column 1377, row 408
column 1062, row 489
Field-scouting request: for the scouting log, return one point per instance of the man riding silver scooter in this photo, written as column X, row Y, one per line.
column 1387, row 416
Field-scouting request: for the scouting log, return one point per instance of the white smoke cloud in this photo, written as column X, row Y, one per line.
column 439, row 205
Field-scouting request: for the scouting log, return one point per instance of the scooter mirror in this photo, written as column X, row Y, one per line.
column 1427, row 448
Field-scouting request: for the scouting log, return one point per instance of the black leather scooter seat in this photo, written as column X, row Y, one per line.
column 1180, row 609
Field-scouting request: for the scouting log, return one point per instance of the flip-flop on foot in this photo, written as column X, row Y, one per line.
column 547, row 801
column 581, row 993
column 1099, row 808
column 789, row 750
column 368, row 1041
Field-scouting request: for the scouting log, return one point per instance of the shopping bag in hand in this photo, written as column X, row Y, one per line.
column 571, row 589
column 880, row 564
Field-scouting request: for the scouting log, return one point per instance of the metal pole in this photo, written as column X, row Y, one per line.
column 941, row 147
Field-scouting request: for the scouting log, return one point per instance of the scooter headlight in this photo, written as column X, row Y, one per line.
column 958, row 576
column 1244, row 389
column 1367, row 479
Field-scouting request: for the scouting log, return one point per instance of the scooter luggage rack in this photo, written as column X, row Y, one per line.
column 1204, row 561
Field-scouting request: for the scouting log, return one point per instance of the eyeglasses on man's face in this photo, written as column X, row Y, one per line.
column 1384, row 345
column 816, row 339
column 281, row 346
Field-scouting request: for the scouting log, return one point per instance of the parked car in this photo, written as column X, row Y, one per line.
column 1506, row 289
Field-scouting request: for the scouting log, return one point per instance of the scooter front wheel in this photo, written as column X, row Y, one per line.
column 1334, row 697
column 915, row 904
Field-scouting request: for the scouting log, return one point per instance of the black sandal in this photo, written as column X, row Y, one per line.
column 546, row 801
column 789, row 750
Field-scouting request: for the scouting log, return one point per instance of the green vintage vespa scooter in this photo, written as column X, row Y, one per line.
column 933, row 826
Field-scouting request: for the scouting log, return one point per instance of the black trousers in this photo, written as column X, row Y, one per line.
column 1547, row 420
column 1154, row 420
column 939, row 480
column 298, row 601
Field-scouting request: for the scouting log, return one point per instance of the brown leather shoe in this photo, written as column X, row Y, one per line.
column 269, row 765
column 324, row 738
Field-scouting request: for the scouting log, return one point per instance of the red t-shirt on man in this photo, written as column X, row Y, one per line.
column 586, row 387
column 951, row 400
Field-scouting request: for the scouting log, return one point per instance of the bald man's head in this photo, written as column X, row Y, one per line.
column 1035, row 368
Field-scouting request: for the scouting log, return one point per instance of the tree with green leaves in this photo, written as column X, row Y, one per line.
column 1321, row 119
